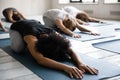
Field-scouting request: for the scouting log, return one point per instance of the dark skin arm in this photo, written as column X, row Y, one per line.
column 3, row 28
column 44, row 61
column 10, row 14
column 81, row 65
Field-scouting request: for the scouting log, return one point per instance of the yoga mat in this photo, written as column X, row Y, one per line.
column 93, row 24
column 4, row 42
column 105, row 32
column 1, row 31
column 111, row 45
column 88, row 37
column 117, row 29
column 106, row 70
column 7, row 26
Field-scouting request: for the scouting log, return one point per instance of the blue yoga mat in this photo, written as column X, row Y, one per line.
column 4, row 42
column 105, row 69
column 111, row 45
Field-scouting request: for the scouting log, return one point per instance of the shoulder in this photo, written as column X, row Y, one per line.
column 30, row 39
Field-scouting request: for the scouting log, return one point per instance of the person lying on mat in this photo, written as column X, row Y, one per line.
column 12, row 15
column 82, row 16
column 49, row 47
column 56, row 19
column 2, row 27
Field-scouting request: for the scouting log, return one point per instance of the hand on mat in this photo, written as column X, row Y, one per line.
column 86, row 68
column 101, row 22
column 74, row 72
column 76, row 36
column 94, row 33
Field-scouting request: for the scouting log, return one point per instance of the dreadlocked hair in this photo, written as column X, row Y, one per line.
column 53, row 46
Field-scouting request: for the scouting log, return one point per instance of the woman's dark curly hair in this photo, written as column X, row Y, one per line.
column 53, row 46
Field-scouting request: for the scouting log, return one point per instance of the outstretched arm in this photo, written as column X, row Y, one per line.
column 95, row 20
column 3, row 28
column 84, row 28
column 47, row 62
column 81, row 65
column 66, row 30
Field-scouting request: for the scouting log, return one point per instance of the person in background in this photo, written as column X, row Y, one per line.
column 49, row 47
column 59, row 20
column 2, row 27
column 82, row 16
column 12, row 15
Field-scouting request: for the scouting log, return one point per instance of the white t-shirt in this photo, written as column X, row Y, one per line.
column 72, row 10
column 54, row 14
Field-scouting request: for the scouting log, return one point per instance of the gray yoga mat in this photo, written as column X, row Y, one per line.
column 105, row 32
column 111, row 45
column 6, row 25
column 87, row 37
column 106, row 70
column 117, row 29
column 94, row 24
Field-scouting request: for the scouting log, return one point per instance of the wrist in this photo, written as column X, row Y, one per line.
column 100, row 22
column 82, row 64
column 66, row 68
column 79, row 63
column 72, row 34
column 90, row 32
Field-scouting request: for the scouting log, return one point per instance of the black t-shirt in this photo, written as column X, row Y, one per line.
column 30, row 27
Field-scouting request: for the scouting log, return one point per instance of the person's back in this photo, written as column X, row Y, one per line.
column 72, row 10
column 52, row 15
column 33, row 27
column 80, row 14
column 23, row 28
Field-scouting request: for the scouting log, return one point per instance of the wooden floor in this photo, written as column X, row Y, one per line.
column 11, row 69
